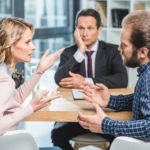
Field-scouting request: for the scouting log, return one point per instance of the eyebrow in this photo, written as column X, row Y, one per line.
column 28, row 40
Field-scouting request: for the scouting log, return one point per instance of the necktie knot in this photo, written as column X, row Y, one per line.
column 89, row 53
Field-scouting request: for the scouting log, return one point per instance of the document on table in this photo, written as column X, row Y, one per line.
column 77, row 94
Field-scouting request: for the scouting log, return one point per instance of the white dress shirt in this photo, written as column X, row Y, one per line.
column 79, row 57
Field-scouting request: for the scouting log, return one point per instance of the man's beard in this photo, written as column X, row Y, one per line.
column 133, row 62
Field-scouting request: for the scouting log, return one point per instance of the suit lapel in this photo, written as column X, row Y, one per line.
column 82, row 69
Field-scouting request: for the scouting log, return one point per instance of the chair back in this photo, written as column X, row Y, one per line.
column 128, row 143
column 20, row 141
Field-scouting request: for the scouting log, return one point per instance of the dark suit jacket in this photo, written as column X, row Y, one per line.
column 109, row 68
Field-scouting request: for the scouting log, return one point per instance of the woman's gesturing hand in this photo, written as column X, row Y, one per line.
column 48, row 60
column 43, row 100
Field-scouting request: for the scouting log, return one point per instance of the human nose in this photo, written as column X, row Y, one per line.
column 119, row 49
column 85, row 32
column 32, row 46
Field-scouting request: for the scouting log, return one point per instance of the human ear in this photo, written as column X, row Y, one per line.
column 143, row 52
column 100, row 30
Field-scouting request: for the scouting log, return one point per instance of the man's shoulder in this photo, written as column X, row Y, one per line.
column 70, row 50
column 108, row 49
column 72, row 47
column 106, row 45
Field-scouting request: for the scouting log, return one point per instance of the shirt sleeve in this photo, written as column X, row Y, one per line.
column 79, row 57
column 11, row 111
column 139, row 129
column 25, row 89
column 89, row 80
column 10, row 120
column 121, row 102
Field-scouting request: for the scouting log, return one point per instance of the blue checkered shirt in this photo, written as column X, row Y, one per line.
column 138, row 103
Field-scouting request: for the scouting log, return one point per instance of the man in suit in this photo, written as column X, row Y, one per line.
column 91, row 60
column 107, row 66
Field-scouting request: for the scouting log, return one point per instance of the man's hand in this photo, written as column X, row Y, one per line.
column 98, row 94
column 81, row 46
column 75, row 81
column 92, row 122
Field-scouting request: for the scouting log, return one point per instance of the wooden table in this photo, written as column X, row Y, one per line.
column 66, row 109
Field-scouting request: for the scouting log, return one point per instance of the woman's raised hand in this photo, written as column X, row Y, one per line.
column 48, row 60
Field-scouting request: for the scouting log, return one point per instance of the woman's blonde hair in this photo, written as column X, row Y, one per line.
column 11, row 30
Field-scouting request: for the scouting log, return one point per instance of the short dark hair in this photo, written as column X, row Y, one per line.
column 89, row 12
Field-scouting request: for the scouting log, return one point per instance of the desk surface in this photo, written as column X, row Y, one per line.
column 66, row 109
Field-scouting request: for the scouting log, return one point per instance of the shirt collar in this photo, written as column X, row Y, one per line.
column 142, row 68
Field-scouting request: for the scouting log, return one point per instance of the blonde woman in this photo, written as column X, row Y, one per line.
column 16, row 46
